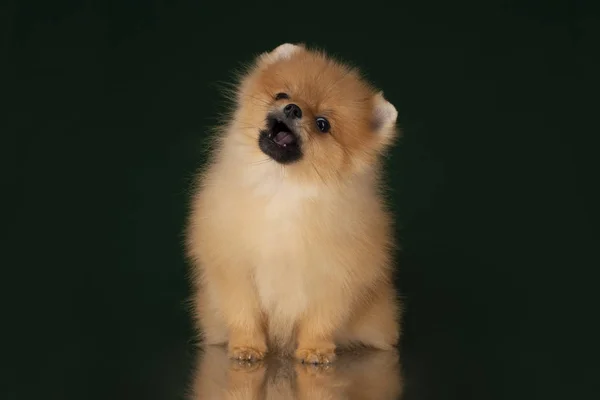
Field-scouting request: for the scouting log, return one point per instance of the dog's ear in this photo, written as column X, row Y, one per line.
column 384, row 120
column 281, row 52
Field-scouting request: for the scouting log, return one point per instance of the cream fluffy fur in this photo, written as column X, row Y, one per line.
column 297, row 257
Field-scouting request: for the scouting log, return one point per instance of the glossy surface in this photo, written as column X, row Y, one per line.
column 365, row 375
column 494, row 185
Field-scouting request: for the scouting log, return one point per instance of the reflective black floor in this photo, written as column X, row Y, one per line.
column 362, row 375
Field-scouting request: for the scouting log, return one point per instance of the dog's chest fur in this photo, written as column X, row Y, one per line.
column 286, row 239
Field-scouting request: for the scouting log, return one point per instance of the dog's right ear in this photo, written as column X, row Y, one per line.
column 384, row 120
column 281, row 52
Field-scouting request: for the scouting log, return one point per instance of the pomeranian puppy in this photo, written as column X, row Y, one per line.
column 289, row 237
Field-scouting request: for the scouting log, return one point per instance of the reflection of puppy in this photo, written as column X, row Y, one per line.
column 217, row 377
column 288, row 233
column 366, row 375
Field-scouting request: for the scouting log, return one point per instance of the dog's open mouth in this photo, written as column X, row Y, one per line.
column 281, row 134
column 280, row 142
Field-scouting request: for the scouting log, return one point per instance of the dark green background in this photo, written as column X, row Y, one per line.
column 493, row 184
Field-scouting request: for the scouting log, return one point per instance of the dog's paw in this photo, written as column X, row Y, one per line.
column 316, row 356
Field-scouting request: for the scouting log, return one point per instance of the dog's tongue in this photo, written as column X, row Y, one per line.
column 283, row 138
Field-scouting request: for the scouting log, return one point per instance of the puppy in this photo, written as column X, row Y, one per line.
column 289, row 238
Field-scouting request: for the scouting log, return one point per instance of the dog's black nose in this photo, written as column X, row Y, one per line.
column 292, row 111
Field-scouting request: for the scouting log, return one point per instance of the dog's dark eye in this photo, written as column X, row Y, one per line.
column 280, row 96
column 323, row 125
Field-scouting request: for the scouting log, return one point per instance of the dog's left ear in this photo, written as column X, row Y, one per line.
column 281, row 52
column 384, row 120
